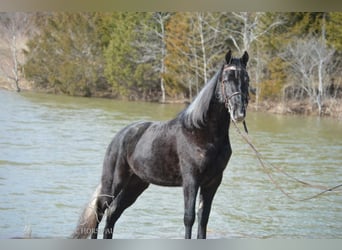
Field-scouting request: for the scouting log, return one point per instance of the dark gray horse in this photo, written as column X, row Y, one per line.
column 191, row 151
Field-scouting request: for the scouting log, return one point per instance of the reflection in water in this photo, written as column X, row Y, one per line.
column 51, row 152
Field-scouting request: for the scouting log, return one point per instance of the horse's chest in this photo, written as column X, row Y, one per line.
column 205, row 159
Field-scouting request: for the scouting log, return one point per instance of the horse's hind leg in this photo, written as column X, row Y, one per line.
column 125, row 198
column 115, row 175
column 102, row 204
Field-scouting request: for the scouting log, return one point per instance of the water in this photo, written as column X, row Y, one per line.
column 51, row 152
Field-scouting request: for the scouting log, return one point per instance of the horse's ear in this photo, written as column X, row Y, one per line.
column 245, row 58
column 228, row 56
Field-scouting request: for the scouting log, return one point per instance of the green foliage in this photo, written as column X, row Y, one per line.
column 323, row 27
column 176, row 61
column 122, row 52
column 66, row 56
column 273, row 85
column 334, row 30
column 125, row 70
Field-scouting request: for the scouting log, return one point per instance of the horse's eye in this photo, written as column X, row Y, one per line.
column 231, row 74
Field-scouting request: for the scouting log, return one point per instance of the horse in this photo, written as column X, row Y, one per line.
column 190, row 151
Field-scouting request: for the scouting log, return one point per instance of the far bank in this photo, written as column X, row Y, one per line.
column 332, row 107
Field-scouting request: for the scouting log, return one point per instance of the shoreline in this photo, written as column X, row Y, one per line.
column 331, row 107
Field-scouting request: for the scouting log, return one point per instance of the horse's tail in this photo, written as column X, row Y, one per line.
column 89, row 218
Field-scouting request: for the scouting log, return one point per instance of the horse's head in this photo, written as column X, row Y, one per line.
column 235, row 85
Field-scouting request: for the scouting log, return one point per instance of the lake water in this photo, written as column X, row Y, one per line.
column 52, row 148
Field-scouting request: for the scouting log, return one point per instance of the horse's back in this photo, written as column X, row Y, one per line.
column 128, row 137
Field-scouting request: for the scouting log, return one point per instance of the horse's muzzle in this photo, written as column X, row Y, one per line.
column 236, row 107
column 238, row 115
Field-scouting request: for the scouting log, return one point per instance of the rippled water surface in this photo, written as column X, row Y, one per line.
column 51, row 152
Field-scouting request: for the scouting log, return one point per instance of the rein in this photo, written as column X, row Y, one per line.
column 267, row 167
column 264, row 164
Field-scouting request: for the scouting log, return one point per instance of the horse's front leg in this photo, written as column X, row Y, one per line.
column 207, row 194
column 190, row 189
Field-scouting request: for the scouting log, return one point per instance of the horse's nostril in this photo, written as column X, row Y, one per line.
column 239, row 115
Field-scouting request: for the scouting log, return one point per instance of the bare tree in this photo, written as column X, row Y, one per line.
column 198, row 49
column 14, row 28
column 308, row 59
column 206, row 44
column 154, row 46
column 161, row 18
column 244, row 30
column 249, row 29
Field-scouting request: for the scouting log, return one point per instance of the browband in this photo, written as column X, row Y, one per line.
column 232, row 67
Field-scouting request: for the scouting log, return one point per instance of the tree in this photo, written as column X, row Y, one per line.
column 209, row 41
column 66, row 54
column 151, row 47
column 308, row 59
column 195, row 44
column 161, row 18
column 14, row 29
column 248, row 27
column 333, row 29
column 130, row 65
column 247, row 30
column 177, row 58
column 157, row 54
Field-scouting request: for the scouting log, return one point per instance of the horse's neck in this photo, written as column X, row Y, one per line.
column 218, row 120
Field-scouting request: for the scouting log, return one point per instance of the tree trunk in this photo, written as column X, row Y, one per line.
column 163, row 67
column 204, row 57
column 320, row 87
column 320, row 69
column 257, row 79
column 15, row 62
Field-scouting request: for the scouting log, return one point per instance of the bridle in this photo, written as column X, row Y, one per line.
column 227, row 99
column 230, row 67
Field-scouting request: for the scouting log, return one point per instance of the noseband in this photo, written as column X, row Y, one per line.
column 229, row 97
